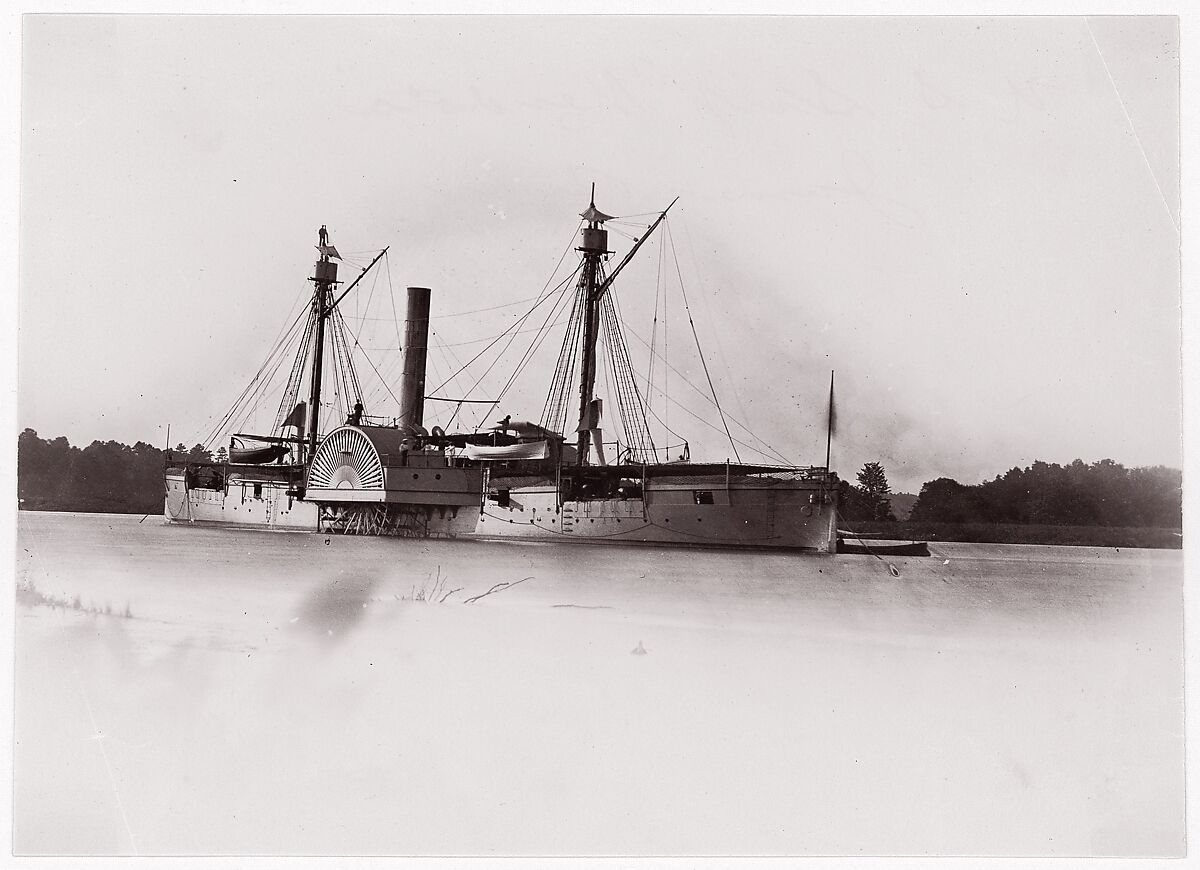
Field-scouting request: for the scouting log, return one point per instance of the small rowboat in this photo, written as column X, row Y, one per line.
column 257, row 455
column 915, row 548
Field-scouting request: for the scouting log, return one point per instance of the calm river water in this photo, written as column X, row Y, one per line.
column 270, row 693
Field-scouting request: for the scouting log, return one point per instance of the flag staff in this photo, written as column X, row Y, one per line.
column 829, row 428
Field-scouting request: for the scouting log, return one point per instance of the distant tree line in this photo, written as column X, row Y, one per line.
column 104, row 477
column 1104, row 493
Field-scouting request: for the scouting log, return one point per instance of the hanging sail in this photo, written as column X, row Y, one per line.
column 297, row 417
column 592, row 418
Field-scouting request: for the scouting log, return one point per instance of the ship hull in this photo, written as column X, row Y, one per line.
column 699, row 513
column 248, row 504
column 692, row 510
column 792, row 518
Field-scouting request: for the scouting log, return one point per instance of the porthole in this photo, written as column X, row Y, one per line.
column 437, row 477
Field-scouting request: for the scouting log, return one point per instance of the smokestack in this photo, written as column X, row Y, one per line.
column 416, row 344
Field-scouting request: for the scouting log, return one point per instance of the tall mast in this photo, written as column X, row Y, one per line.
column 594, row 248
column 324, row 278
column 592, row 286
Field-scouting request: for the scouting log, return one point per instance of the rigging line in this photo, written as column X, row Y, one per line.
column 381, row 380
column 481, row 310
column 570, row 358
column 449, row 357
column 260, row 395
column 387, row 264
column 291, row 390
column 516, row 371
column 285, row 336
column 395, row 320
column 487, row 338
column 628, row 426
column 355, row 383
column 666, row 353
column 458, row 401
column 704, row 363
column 554, row 409
column 394, row 359
column 607, row 380
column 279, row 344
column 295, row 309
column 648, row 405
column 534, row 346
column 239, row 405
column 516, row 324
column 654, row 323
column 462, row 313
column 452, row 360
column 348, row 375
column 682, row 438
column 687, row 237
column 499, row 356
column 291, row 393
column 662, row 392
column 630, row 377
column 333, row 364
column 250, row 388
column 349, row 348
column 255, row 398
column 718, row 430
column 1136, row 138
column 623, row 233
column 542, row 296
column 367, row 305
column 612, row 382
column 613, row 363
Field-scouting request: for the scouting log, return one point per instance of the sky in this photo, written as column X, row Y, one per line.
column 974, row 221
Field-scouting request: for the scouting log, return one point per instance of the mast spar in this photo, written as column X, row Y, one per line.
column 323, row 321
column 325, row 278
column 593, row 285
column 594, row 247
